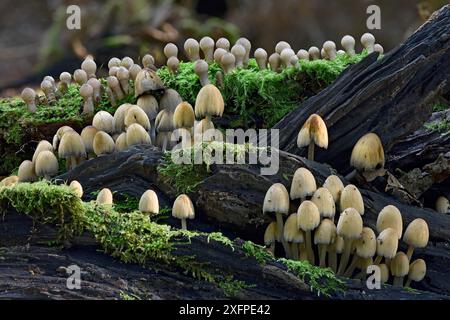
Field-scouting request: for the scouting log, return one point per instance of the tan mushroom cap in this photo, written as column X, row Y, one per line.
column 209, row 102
column 87, row 135
column 442, row 204
column 291, row 233
column 183, row 208
column 149, row 202
column 71, row 145
column 170, row 100
column 368, row 153
column 149, row 104
column 303, row 184
column 390, row 217
column 335, row 186
column 351, row 198
column 366, row 245
column 119, row 116
column 184, row 116
column 164, row 121
column 308, row 216
column 136, row 115
column 325, row 232
column 121, row 142
column 104, row 121
column 387, row 243
column 384, row 270
column 350, row 224
column 400, row 265
column 103, row 143
column 270, row 235
column 276, row 200
column 9, row 181
column 26, row 172
column 77, row 188
column 314, row 130
column 105, row 197
column 417, row 233
column 324, row 201
column 42, row 145
column 136, row 134
column 417, row 270
column 46, row 164
column 338, row 244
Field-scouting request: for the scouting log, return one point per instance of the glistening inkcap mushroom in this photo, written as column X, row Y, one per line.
column 416, row 236
column 349, row 227
column 183, row 209
column 314, row 132
column 308, row 218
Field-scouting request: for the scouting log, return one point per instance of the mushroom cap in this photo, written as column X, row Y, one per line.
column 80, row 76
column 104, row 121
column 183, row 208
column 417, row 270
column 348, row 41
column 105, row 197
column 223, row 43
column 325, row 232
column 173, row 63
column 218, row 54
column 86, row 91
column 206, row 43
column 148, row 61
column 384, row 272
column 58, row 135
column 350, row 224
column 164, row 121
column 46, row 85
column 65, row 77
column 335, row 186
column 390, row 217
column 95, row 84
column 26, row 172
column 103, row 143
column 303, row 184
column 417, row 233
column 170, row 100
column 127, row 62
column 367, row 39
column 170, row 50
column 136, row 134
column 281, row 45
column 286, row 55
column 119, row 116
column 274, row 61
column 134, row 70
column 28, row 95
column 191, row 47
column 135, row 114
column 228, row 59
column 149, row 104
column 291, row 232
column 121, row 142
column 329, row 46
column 89, row 66
column 245, row 43
column 352, row 198
column 209, row 102
column 302, row 54
column 387, row 243
column 442, row 204
column 238, row 51
column 114, row 62
column 77, row 188
column 184, row 116
column 337, row 245
column 123, row 73
column 314, row 53
column 201, row 67
column 113, row 82
column 87, row 135
column 308, row 216
column 276, row 200
column 149, row 202
column 42, row 145
column 313, row 130
column 366, row 245
column 400, row 265
column 9, row 181
column 368, row 153
column 260, row 54
column 378, row 48
column 324, row 201
column 147, row 81
column 270, row 235
column 46, row 164
column 71, row 145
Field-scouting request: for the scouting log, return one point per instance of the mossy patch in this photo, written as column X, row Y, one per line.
column 250, row 93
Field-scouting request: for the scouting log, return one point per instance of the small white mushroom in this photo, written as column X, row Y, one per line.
column 86, row 91
column 247, row 46
column 348, row 43
column 378, row 48
column 239, row 53
column 223, row 43
column 90, row 67
column 65, row 78
column 114, row 85
column 368, row 42
column 218, row 54
column 114, row 62
column 228, row 62
column 148, row 61
column 173, row 64
column 286, row 56
column 97, row 87
column 201, row 69
column 303, row 54
column 29, row 97
column 261, row 58
column 113, row 71
column 281, row 46
column 192, row 49
column 80, row 76
column 314, row 53
column 123, row 75
column 134, row 70
column 274, row 62
column 330, row 49
column 127, row 62
column 47, row 88
column 170, row 50
column 207, row 46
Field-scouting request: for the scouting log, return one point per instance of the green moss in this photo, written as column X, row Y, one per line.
column 232, row 287
column 442, row 126
column 270, row 95
column 125, row 203
column 219, row 237
column 441, row 107
column 46, row 204
column 323, row 281
column 256, row 251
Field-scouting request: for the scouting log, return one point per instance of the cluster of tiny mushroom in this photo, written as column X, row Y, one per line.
column 314, row 221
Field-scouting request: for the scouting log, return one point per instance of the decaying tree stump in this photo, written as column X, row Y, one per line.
column 392, row 96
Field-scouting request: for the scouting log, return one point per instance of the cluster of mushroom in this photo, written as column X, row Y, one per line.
column 237, row 56
column 314, row 224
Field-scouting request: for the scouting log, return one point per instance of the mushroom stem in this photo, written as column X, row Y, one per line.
column 311, row 151
column 348, row 273
column 378, row 260
column 183, row 224
column 280, row 227
column 303, row 253
column 408, row 283
column 309, row 249
column 322, row 254
column 73, row 162
column 345, row 256
column 332, row 260
column 68, row 163
column 351, row 175
column 409, row 253
column 272, row 248
column 294, row 251
column 398, row 282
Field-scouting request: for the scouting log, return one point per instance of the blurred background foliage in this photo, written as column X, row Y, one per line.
column 34, row 39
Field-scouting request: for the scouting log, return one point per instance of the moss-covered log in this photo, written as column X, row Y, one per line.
column 392, row 96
